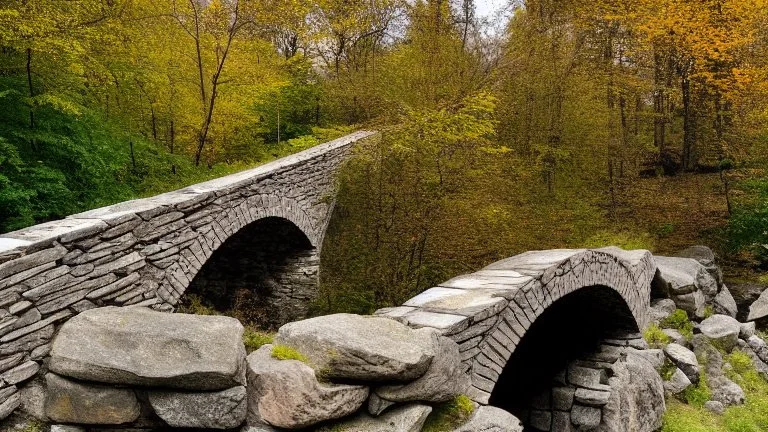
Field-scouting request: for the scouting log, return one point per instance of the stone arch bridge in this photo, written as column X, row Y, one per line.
column 263, row 226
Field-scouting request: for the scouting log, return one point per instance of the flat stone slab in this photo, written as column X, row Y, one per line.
column 358, row 347
column 70, row 401
column 535, row 259
column 457, row 301
column 224, row 409
column 138, row 346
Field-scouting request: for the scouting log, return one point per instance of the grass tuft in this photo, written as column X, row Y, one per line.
column 656, row 337
column 282, row 352
column 255, row 339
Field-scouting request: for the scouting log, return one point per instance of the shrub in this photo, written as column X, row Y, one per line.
column 282, row 352
column 255, row 339
column 655, row 336
column 449, row 415
column 680, row 322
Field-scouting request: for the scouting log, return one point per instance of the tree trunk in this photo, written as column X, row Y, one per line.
column 689, row 124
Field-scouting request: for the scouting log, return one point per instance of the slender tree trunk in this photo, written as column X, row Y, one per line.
column 32, row 141
column 689, row 124
column 659, row 105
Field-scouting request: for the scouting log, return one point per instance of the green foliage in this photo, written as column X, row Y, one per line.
column 449, row 415
column 255, row 339
column 697, row 395
column 667, row 369
column 748, row 225
column 708, row 311
column 679, row 321
column 283, row 352
column 194, row 304
column 655, row 336
column 680, row 417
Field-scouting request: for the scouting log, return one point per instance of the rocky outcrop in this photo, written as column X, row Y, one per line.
column 138, row 346
column 637, row 398
column 686, row 282
column 287, row 394
column 346, row 346
column 190, row 367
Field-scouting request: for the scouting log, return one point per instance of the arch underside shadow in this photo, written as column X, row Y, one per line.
column 570, row 330
column 261, row 255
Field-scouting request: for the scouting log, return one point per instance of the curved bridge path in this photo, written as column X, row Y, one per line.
column 489, row 312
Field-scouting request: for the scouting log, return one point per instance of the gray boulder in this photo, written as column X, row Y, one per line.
column 759, row 309
column 491, row 419
column 677, row 383
column 747, row 330
column 661, row 309
column 705, row 257
column 408, row 418
column 637, row 397
column 723, row 389
column 725, row 304
column 74, row 402
column 683, row 276
column 722, row 330
column 287, row 394
column 759, row 346
column 444, row 379
column 138, row 346
column 684, row 359
column 714, row 407
column 365, row 348
column 224, row 409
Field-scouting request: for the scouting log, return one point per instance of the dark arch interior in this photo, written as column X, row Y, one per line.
column 265, row 274
column 569, row 329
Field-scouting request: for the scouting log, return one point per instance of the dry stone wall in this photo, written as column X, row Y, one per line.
column 146, row 252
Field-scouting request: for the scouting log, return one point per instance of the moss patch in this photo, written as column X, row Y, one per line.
column 449, row 415
column 680, row 322
column 655, row 336
column 282, row 352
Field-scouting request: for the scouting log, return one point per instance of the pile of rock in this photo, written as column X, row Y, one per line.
column 113, row 366
column 615, row 388
column 358, row 374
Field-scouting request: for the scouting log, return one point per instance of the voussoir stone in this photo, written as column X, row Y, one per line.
column 224, row 409
column 722, row 330
column 358, row 347
column 138, row 346
column 684, row 359
column 444, row 379
column 491, row 419
column 69, row 401
column 287, row 394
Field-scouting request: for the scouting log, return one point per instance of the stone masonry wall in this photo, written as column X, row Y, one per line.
column 145, row 252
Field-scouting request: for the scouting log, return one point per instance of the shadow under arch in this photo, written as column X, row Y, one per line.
column 266, row 273
column 570, row 329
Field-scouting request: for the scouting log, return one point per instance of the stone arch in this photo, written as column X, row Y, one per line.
column 558, row 273
column 490, row 311
column 232, row 224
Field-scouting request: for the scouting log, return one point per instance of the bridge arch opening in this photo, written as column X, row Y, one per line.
column 266, row 274
column 571, row 333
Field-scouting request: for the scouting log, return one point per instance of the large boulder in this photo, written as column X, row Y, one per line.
column 365, row 348
column 408, row 418
column 444, row 379
column 677, row 383
column 138, row 346
column 224, row 409
column 69, row 401
column 705, row 257
column 759, row 309
column 661, row 309
column 722, row 330
column 684, row 359
column 725, row 304
column 684, row 275
column 491, row 419
column 637, row 398
column 287, row 394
